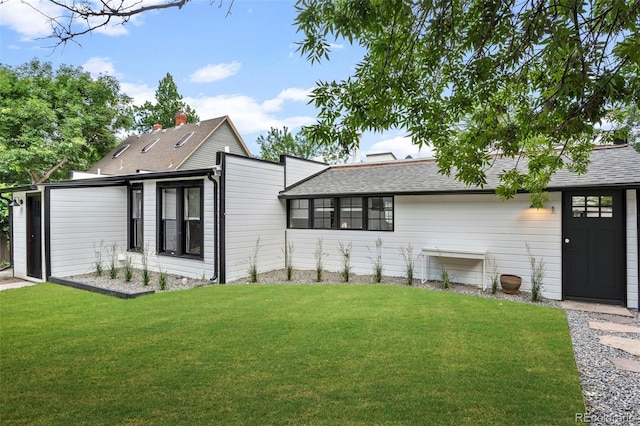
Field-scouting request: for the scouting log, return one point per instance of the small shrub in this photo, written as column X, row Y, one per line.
column 113, row 255
column 445, row 278
column 162, row 279
column 319, row 255
column 377, row 262
column 494, row 276
column 253, row 263
column 288, row 260
column 538, row 272
column 409, row 262
column 99, row 267
column 345, row 251
column 128, row 269
column 146, row 276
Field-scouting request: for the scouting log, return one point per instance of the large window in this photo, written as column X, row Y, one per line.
column 136, row 236
column 180, row 213
column 365, row 213
column 299, row 214
column 380, row 213
column 351, row 213
column 323, row 213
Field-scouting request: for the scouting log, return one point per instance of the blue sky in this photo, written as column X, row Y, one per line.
column 244, row 65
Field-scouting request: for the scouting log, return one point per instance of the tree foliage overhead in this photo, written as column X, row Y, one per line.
column 528, row 78
column 281, row 142
column 56, row 121
column 168, row 103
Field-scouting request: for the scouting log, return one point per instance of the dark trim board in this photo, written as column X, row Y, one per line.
column 106, row 292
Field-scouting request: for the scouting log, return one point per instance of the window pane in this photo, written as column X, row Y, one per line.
column 323, row 213
column 135, row 219
column 170, row 235
column 592, row 206
column 299, row 214
column 193, row 237
column 380, row 214
column 169, row 203
column 192, row 203
column 351, row 213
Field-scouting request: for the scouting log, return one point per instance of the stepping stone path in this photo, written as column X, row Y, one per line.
column 612, row 320
column 631, row 345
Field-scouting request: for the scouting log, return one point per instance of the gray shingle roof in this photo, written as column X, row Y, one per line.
column 164, row 156
column 609, row 166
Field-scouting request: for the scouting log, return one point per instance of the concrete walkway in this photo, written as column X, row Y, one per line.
column 613, row 320
column 9, row 282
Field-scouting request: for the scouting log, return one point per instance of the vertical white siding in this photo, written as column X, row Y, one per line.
column 253, row 211
column 461, row 221
column 19, row 241
column 632, row 249
column 298, row 169
column 83, row 221
column 205, row 156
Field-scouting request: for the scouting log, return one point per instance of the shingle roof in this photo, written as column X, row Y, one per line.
column 609, row 166
column 163, row 156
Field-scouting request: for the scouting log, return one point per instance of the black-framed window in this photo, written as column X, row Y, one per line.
column 324, row 213
column 136, row 208
column 380, row 213
column 299, row 214
column 351, row 214
column 180, row 214
column 348, row 213
column 592, row 206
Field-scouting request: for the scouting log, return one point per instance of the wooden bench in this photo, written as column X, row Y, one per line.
column 429, row 252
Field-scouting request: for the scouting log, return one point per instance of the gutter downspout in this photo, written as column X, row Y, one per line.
column 215, row 227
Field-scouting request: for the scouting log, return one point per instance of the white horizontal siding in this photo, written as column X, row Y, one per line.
column 298, row 169
column 632, row 249
column 85, row 221
column 253, row 211
column 186, row 267
column 465, row 221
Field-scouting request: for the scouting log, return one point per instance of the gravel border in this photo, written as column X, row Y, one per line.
column 611, row 396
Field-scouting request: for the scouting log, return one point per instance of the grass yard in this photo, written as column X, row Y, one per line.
column 283, row 354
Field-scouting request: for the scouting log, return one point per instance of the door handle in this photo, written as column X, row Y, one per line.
column 567, row 241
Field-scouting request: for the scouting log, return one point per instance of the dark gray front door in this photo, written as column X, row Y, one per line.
column 34, row 236
column 593, row 261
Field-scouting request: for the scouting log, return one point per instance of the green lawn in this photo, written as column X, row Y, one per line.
column 276, row 354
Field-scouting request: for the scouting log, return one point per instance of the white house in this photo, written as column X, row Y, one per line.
column 199, row 205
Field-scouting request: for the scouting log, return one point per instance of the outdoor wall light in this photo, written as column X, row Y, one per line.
column 16, row 202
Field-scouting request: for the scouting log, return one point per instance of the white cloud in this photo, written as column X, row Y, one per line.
column 139, row 92
column 336, row 46
column 100, row 65
column 28, row 18
column 290, row 94
column 215, row 72
column 248, row 115
column 401, row 147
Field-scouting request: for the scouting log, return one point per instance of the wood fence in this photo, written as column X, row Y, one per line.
column 4, row 248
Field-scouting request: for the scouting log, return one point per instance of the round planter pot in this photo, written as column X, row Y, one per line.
column 510, row 283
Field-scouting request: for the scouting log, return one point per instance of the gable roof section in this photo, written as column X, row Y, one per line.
column 609, row 166
column 162, row 155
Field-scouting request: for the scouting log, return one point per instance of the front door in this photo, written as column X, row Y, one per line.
column 34, row 236
column 593, row 260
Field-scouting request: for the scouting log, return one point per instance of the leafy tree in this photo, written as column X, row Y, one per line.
column 56, row 121
column 527, row 79
column 168, row 103
column 281, row 142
